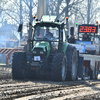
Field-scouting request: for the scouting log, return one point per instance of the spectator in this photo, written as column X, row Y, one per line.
column 86, row 37
column 72, row 39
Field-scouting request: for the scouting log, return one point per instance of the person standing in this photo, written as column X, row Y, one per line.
column 86, row 37
column 72, row 39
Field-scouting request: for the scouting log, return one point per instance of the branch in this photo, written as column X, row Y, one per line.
column 26, row 3
column 76, row 3
column 61, row 12
column 76, row 9
column 10, row 11
column 94, row 12
column 11, row 17
column 15, row 3
column 34, row 4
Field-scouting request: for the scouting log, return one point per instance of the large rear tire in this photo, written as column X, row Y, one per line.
column 92, row 74
column 19, row 65
column 59, row 67
column 96, row 70
column 72, row 64
column 96, row 73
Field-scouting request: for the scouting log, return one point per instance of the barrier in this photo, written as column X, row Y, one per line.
column 8, row 51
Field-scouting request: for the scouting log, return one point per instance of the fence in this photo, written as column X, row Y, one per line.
column 8, row 52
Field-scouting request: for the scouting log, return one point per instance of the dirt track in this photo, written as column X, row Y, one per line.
column 46, row 90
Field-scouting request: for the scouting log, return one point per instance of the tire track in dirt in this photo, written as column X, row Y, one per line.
column 45, row 90
column 42, row 89
column 65, row 93
column 5, row 72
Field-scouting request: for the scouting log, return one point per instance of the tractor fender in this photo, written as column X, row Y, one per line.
column 70, row 48
column 64, row 47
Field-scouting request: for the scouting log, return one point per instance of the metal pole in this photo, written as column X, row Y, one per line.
column 21, row 17
column 88, row 11
column 41, row 8
column 67, row 32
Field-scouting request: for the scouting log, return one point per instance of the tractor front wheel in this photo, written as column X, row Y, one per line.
column 59, row 67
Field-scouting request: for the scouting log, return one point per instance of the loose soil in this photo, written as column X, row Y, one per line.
column 46, row 90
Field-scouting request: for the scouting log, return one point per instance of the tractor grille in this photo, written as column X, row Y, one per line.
column 38, row 52
column 38, row 49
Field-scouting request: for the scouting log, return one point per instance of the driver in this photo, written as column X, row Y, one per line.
column 48, row 33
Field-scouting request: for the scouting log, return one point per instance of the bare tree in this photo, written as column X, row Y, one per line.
column 92, row 11
column 78, row 11
column 22, row 11
column 18, row 11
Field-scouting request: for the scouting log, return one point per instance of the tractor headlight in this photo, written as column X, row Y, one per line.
column 41, row 52
column 34, row 51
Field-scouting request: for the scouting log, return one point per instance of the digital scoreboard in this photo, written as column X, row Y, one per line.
column 87, row 28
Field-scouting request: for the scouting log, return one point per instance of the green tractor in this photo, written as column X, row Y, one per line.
column 48, row 55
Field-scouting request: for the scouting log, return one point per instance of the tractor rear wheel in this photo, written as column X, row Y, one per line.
column 19, row 65
column 59, row 67
column 72, row 64
column 92, row 74
column 96, row 73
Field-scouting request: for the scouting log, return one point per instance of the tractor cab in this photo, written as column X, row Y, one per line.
column 43, row 32
column 48, row 33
